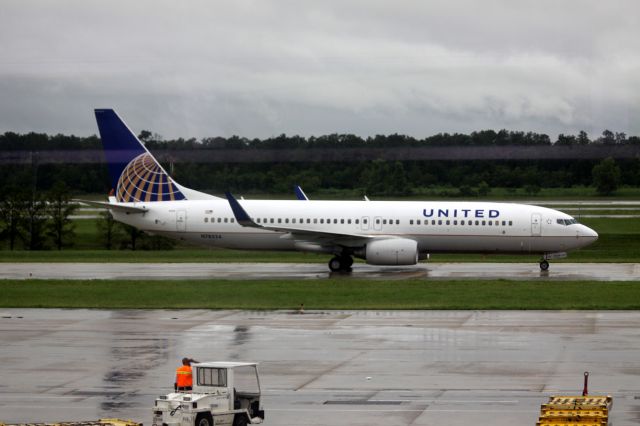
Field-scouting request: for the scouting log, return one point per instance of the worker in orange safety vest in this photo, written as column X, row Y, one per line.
column 184, row 377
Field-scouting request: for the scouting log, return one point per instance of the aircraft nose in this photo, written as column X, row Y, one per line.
column 587, row 234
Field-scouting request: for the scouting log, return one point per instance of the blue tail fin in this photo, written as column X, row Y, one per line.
column 135, row 174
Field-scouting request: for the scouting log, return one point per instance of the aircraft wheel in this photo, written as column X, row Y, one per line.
column 348, row 261
column 544, row 265
column 345, row 263
column 335, row 264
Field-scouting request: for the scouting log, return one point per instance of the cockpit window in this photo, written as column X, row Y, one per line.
column 566, row 222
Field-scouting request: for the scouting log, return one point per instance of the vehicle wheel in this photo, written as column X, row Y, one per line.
column 544, row 265
column 204, row 419
column 335, row 264
column 240, row 420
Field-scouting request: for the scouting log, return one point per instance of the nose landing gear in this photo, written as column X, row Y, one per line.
column 544, row 264
column 341, row 263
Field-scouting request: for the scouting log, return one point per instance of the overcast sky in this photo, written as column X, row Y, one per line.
column 262, row 68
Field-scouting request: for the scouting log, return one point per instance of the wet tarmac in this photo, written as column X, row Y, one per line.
column 322, row 368
column 256, row 271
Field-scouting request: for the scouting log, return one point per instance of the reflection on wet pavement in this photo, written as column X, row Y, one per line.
column 313, row 271
column 321, row 367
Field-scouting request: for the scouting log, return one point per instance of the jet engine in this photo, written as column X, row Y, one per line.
column 392, row 251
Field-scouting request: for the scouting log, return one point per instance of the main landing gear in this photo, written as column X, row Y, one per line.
column 341, row 263
column 544, row 265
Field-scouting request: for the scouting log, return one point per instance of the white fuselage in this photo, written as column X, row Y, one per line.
column 437, row 227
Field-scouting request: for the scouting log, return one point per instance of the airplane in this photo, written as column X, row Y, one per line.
column 394, row 233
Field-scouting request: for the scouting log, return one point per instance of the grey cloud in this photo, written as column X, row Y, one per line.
column 259, row 68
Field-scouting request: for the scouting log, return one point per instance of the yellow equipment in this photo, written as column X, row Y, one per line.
column 576, row 411
column 585, row 410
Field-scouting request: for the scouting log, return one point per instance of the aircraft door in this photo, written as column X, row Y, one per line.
column 181, row 220
column 536, row 224
column 377, row 223
column 364, row 224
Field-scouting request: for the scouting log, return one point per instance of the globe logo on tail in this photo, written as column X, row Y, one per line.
column 144, row 180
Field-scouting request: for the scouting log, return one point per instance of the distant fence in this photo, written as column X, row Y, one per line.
column 256, row 155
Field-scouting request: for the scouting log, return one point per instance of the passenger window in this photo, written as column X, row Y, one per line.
column 417, row 222
column 335, row 221
column 411, row 222
column 286, row 220
column 279, row 220
column 490, row 222
column 462, row 222
column 349, row 221
column 455, row 222
column 440, row 222
column 233, row 220
column 315, row 220
column 321, row 220
column 510, row 223
column 342, row 221
column 226, row 219
column 477, row 222
column 504, row 223
column 384, row 221
column 206, row 219
column 484, row 222
column 219, row 220
column 363, row 221
column 448, row 222
column 377, row 221
column 433, row 222
column 271, row 220
column 397, row 221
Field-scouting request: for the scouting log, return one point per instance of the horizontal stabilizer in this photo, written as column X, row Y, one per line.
column 117, row 207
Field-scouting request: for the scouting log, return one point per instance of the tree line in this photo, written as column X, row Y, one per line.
column 41, row 141
column 36, row 220
column 376, row 177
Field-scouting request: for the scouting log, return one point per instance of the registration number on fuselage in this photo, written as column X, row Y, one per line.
column 211, row 236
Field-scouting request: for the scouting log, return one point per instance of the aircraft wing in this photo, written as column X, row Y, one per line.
column 117, row 207
column 298, row 234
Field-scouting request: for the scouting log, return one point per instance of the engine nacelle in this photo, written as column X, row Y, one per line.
column 392, row 251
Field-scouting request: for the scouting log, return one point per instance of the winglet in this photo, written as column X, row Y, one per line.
column 300, row 195
column 242, row 217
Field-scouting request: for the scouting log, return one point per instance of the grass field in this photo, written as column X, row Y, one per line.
column 324, row 294
column 619, row 241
